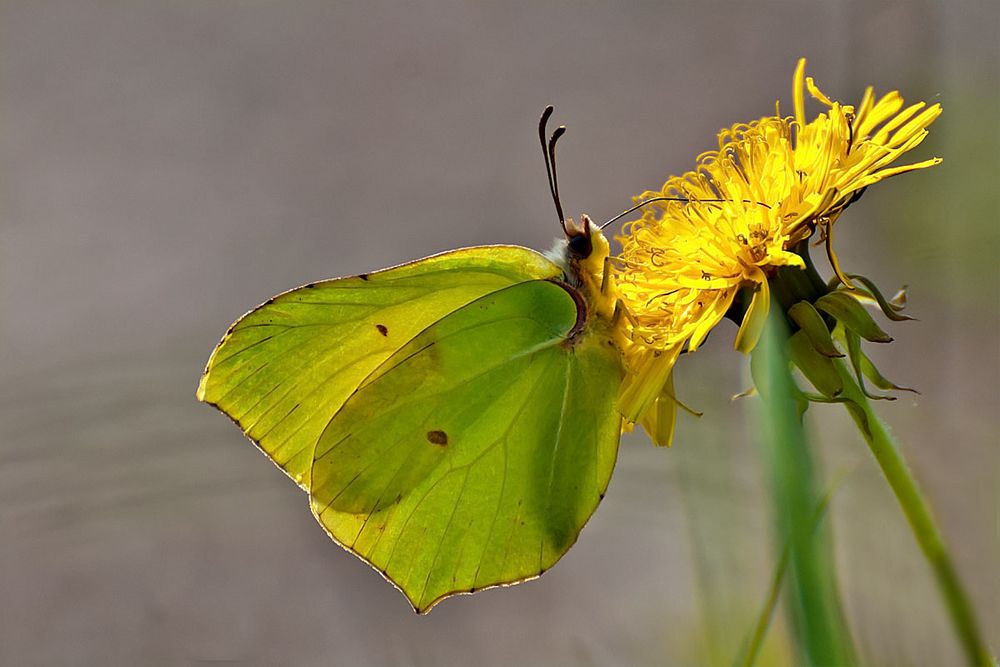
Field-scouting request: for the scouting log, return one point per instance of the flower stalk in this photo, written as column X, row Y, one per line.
column 918, row 513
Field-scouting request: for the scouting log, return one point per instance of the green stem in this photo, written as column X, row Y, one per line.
column 918, row 513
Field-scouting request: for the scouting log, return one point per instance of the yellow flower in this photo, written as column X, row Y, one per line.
column 770, row 185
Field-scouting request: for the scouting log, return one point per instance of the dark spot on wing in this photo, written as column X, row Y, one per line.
column 363, row 276
column 437, row 438
column 382, row 329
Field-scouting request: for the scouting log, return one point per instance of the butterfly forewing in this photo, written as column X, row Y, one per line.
column 284, row 369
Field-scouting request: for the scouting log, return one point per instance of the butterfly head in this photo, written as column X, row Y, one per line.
column 584, row 254
column 586, row 246
column 579, row 238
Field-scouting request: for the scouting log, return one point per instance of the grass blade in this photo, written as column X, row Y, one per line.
column 817, row 620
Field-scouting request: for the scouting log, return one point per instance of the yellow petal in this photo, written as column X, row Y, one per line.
column 754, row 319
column 661, row 418
column 798, row 96
column 864, row 108
column 817, row 93
column 644, row 384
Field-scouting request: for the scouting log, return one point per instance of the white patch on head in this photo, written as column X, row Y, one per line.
column 559, row 254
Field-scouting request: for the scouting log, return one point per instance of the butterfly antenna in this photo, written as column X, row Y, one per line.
column 640, row 205
column 549, row 153
column 678, row 199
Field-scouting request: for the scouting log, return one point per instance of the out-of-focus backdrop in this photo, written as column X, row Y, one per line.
column 168, row 165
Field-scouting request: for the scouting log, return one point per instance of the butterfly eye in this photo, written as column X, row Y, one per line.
column 580, row 246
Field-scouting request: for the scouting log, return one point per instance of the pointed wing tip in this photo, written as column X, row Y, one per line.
column 202, row 390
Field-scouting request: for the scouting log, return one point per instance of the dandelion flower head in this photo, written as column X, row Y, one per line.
column 770, row 185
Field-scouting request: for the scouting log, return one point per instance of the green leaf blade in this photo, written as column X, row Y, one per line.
column 818, row 623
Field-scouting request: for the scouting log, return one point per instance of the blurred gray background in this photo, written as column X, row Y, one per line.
column 168, row 165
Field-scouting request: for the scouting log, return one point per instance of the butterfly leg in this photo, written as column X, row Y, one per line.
column 621, row 310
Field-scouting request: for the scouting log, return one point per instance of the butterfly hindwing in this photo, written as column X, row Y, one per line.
column 284, row 369
column 475, row 453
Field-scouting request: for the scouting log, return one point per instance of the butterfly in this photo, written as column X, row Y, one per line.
column 452, row 419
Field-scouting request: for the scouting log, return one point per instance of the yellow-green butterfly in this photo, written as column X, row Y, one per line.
column 452, row 419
